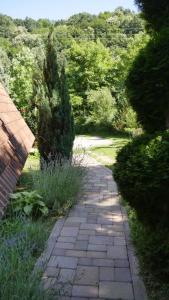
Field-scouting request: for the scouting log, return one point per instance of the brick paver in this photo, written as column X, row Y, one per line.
column 92, row 256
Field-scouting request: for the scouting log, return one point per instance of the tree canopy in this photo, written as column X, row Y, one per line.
column 99, row 50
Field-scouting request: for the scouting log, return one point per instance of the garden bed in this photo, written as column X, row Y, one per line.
column 23, row 237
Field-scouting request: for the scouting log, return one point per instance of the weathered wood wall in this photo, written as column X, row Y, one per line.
column 16, row 140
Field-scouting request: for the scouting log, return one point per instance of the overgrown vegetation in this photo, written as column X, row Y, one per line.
column 58, row 184
column 50, row 192
column 22, row 241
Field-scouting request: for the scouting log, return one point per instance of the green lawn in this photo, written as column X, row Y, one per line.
column 107, row 154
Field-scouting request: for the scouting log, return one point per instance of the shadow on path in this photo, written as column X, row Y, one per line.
column 89, row 253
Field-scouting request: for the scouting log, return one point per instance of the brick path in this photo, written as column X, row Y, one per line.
column 89, row 254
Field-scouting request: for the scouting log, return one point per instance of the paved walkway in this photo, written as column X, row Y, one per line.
column 89, row 255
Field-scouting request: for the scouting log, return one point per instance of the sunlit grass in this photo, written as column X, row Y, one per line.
column 107, row 154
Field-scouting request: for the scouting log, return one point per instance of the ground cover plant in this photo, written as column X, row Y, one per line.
column 21, row 242
column 28, row 203
column 25, row 229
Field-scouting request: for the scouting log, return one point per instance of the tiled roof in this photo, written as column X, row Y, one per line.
column 16, row 140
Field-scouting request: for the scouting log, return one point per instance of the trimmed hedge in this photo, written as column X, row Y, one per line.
column 148, row 84
column 142, row 172
column 152, row 247
column 155, row 12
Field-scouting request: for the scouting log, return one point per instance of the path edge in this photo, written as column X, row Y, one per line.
column 50, row 244
column 139, row 289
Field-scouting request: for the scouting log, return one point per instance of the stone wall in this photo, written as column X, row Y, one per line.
column 16, row 140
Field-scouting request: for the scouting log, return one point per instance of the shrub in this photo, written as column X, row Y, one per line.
column 58, row 183
column 152, row 248
column 142, row 172
column 28, row 203
column 131, row 119
column 155, row 12
column 147, row 84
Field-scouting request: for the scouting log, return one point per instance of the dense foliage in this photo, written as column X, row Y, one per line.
column 147, row 81
column 89, row 69
column 155, row 12
column 29, row 204
column 142, row 171
column 148, row 84
column 153, row 249
column 99, row 51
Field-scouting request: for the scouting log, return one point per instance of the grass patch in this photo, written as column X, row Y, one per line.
column 107, row 154
column 104, row 132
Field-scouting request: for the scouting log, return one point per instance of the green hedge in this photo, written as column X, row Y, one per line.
column 152, row 247
column 142, row 172
column 147, row 84
column 155, row 12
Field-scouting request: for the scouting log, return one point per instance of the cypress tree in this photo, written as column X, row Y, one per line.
column 56, row 126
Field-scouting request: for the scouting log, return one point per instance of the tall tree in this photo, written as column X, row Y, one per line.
column 55, row 129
